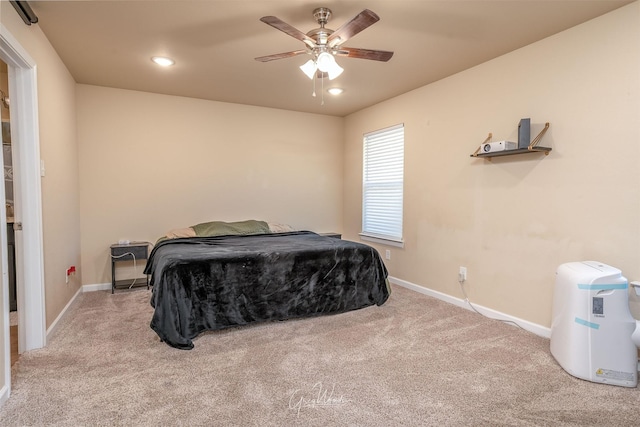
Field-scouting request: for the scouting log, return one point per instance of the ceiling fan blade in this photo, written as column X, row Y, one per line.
column 349, row 29
column 375, row 55
column 280, row 55
column 279, row 24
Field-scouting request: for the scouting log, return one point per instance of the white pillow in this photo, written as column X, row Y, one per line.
column 279, row 228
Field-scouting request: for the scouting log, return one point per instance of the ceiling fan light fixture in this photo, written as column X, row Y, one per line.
column 309, row 68
column 335, row 70
column 327, row 64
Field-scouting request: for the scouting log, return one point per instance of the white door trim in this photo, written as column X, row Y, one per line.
column 27, row 198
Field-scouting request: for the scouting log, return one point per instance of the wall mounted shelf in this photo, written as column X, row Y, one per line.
column 532, row 148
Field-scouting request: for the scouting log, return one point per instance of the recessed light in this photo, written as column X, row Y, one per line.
column 335, row 90
column 163, row 61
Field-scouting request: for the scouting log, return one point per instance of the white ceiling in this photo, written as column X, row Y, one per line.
column 214, row 43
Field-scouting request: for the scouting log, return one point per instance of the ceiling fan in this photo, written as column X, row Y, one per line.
column 323, row 43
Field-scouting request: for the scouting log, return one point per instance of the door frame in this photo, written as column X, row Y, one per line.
column 28, row 206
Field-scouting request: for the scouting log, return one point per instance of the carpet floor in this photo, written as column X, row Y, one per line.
column 415, row 361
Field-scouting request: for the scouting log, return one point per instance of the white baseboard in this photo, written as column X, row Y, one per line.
column 539, row 330
column 96, row 287
column 4, row 395
column 529, row 326
column 82, row 289
column 54, row 324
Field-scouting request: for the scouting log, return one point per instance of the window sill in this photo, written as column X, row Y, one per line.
column 383, row 241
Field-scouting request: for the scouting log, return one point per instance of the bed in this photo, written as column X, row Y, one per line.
column 220, row 281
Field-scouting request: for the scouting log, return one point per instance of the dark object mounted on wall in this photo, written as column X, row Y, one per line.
column 25, row 12
column 524, row 133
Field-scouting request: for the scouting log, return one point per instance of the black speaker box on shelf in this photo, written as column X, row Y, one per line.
column 524, row 133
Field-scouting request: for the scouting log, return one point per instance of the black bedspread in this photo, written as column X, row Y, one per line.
column 208, row 283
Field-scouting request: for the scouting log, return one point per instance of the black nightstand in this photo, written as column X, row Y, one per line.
column 133, row 251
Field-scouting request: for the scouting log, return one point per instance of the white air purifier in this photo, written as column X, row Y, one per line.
column 593, row 335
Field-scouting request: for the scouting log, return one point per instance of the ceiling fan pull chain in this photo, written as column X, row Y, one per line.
column 314, row 88
column 322, row 103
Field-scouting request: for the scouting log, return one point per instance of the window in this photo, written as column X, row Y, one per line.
column 382, row 191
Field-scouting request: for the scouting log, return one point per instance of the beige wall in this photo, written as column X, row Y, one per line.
column 513, row 220
column 150, row 163
column 59, row 150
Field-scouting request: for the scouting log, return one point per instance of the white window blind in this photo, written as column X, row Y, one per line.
column 383, row 178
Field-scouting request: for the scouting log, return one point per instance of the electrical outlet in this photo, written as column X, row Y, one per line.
column 387, row 254
column 462, row 274
column 71, row 270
